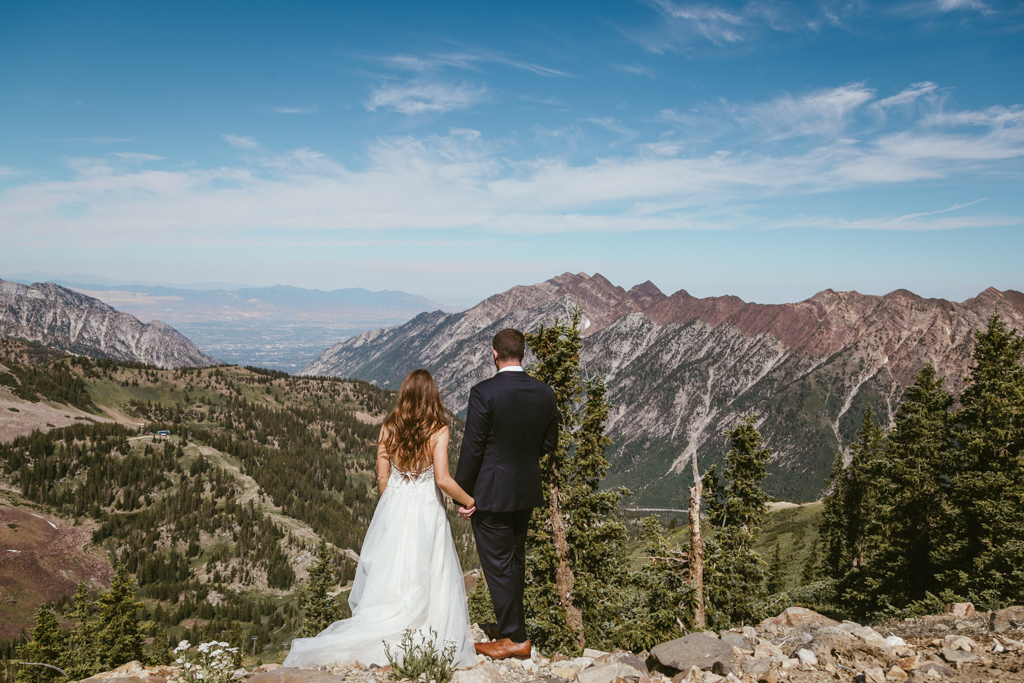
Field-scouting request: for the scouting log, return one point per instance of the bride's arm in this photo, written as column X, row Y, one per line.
column 442, row 476
column 383, row 464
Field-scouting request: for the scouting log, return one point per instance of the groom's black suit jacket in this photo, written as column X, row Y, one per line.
column 511, row 422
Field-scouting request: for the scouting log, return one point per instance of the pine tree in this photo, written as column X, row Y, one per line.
column 81, row 658
column 909, row 496
column 734, row 573
column 846, row 512
column 812, row 565
column 776, row 571
column 320, row 607
column 658, row 601
column 981, row 554
column 45, row 646
column 120, row 640
column 576, row 557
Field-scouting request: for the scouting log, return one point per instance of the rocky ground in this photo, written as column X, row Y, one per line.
column 797, row 646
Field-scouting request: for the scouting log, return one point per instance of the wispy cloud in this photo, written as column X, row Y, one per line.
column 8, row 171
column 463, row 181
column 822, row 113
column 637, row 70
column 138, row 156
column 240, row 141
column 466, row 60
column 425, row 96
column 612, row 125
column 907, row 96
column 953, row 5
column 292, row 110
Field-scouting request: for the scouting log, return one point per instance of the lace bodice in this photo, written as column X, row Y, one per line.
column 418, row 484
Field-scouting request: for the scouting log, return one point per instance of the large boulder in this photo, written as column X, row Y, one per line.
column 696, row 649
column 1008, row 619
column 796, row 617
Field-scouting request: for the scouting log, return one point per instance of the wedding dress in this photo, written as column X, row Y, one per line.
column 408, row 577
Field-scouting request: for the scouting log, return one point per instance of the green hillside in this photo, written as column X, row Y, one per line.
column 218, row 520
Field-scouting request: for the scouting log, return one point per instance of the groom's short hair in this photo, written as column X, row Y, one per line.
column 510, row 344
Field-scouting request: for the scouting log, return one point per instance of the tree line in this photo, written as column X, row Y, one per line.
column 930, row 511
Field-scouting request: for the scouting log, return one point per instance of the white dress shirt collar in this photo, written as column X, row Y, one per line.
column 512, row 368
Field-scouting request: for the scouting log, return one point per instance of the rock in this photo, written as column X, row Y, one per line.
column 958, row 656
column 755, row 667
column 528, row 665
column 796, row 617
column 768, row 650
column 291, row 675
column 1008, row 619
column 134, row 671
column 897, row 674
column 627, row 658
column 871, row 637
column 710, row 677
column 848, row 626
column 934, row 669
column 482, row 673
column 737, row 640
column 959, row 643
column 239, row 673
column 565, row 670
column 959, row 609
column 725, row 669
column 693, row 674
column 807, row 658
column 266, row 667
column 895, row 641
column 593, row 654
column 606, row 673
column 908, row 663
column 873, row 674
column 695, row 649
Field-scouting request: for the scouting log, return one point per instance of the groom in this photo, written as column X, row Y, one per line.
column 511, row 422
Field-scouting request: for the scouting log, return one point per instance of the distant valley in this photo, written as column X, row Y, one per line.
column 278, row 327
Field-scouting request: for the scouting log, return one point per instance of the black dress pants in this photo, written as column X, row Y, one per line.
column 501, row 543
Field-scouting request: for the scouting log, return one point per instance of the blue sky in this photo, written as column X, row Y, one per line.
column 763, row 149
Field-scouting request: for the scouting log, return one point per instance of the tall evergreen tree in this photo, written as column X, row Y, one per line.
column 320, row 607
column 846, row 512
column 82, row 656
column 576, row 557
column 734, row 573
column 776, row 571
column 45, row 646
column 982, row 552
column 120, row 640
column 909, row 496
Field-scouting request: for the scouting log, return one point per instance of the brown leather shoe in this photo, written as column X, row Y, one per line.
column 503, row 649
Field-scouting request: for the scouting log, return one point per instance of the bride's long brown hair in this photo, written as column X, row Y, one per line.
column 418, row 416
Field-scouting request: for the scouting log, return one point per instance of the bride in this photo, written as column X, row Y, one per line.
column 408, row 576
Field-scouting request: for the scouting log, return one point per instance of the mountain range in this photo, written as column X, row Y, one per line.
column 680, row 370
column 63, row 319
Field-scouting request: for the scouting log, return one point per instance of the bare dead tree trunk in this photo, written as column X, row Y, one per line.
column 697, row 546
column 565, row 580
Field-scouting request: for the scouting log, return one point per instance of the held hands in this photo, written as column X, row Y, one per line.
column 466, row 512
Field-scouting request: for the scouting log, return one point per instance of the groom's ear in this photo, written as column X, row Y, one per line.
column 494, row 352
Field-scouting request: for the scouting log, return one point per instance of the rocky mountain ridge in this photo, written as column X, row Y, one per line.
column 79, row 324
column 680, row 369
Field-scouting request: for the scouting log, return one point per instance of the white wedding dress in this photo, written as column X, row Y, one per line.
column 408, row 577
